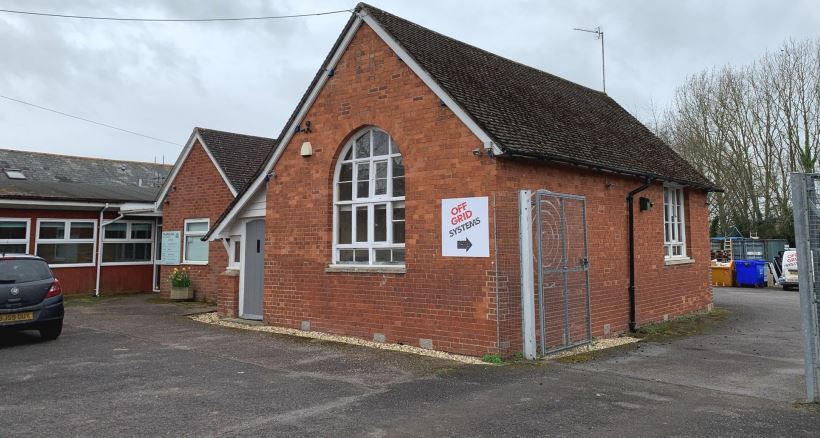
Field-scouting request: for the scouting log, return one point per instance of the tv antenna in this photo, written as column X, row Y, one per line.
column 599, row 34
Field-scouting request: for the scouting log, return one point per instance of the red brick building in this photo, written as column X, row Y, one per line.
column 342, row 228
column 92, row 219
column 210, row 170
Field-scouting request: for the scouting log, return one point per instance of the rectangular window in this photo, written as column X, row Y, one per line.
column 236, row 252
column 674, row 223
column 67, row 242
column 14, row 236
column 196, row 251
column 127, row 242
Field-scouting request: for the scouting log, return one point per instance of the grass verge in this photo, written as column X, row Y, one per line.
column 683, row 326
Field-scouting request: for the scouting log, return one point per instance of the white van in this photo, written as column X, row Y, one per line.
column 789, row 277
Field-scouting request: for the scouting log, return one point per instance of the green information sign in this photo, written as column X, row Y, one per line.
column 170, row 247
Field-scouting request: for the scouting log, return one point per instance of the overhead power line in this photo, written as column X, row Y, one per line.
column 172, row 20
column 88, row 120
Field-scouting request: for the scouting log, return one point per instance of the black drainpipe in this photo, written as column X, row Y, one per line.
column 632, row 324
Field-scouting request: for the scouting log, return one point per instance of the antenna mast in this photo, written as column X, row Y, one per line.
column 599, row 34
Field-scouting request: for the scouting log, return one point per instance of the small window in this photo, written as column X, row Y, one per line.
column 15, row 174
column 196, row 251
column 14, row 236
column 236, row 252
column 127, row 242
column 674, row 224
column 67, row 242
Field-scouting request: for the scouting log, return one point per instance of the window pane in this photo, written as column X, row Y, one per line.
column 394, row 148
column 380, row 143
column 398, row 223
column 361, row 224
column 82, row 230
column 52, row 230
column 349, row 155
column 22, row 271
column 345, row 229
column 363, row 146
column 381, row 169
column 115, row 230
column 345, row 191
column 380, row 223
column 13, row 248
column 346, row 255
column 361, row 256
column 381, row 187
column 12, row 230
column 346, row 172
column 195, row 249
column 382, row 255
column 66, row 253
column 126, row 252
column 196, row 227
column 398, row 255
column 363, row 177
column 140, row 231
column 237, row 251
column 398, row 186
column 398, row 166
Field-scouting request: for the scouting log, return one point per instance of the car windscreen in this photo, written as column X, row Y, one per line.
column 23, row 271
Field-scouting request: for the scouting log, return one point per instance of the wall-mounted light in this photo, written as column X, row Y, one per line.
column 477, row 152
column 306, row 150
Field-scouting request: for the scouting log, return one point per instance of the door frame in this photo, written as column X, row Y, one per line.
column 242, row 271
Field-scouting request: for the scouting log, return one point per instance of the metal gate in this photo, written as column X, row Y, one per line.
column 806, row 205
column 562, row 265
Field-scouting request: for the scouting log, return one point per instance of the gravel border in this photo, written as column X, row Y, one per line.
column 213, row 318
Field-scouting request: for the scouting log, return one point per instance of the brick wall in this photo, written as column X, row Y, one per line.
column 198, row 191
column 661, row 290
column 443, row 299
column 464, row 305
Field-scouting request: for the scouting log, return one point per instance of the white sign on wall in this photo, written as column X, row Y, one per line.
column 170, row 248
column 465, row 227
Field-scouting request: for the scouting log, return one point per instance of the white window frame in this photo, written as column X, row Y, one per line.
column 18, row 241
column 674, row 225
column 186, row 234
column 233, row 262
column 368, row 202
column 128, row 239
column 67, row 224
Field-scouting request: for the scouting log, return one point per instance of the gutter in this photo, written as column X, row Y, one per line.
column 629, row 205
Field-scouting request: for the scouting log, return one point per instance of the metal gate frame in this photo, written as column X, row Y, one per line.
column 527, row 200
column 565, row 269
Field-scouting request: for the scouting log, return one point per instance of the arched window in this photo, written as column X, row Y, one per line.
column 368, row 206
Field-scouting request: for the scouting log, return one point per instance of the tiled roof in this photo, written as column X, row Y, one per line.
column 534, row 114
column 239, row 155
column 70, row 178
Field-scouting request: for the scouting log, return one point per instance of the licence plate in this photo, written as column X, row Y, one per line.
column 13, row 317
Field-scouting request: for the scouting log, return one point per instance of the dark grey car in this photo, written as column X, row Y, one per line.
column 30, row 296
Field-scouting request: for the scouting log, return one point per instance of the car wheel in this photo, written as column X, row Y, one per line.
column 52, row 330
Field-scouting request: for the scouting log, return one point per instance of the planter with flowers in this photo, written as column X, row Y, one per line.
column 180, row 284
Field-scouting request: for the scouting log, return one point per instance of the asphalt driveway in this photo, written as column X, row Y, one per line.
column 130, row 367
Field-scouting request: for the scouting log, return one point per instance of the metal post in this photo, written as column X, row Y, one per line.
column 527, row 275
column 808, row 301
column 541, row 305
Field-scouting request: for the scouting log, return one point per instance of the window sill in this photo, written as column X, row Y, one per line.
column 368, row 269
column 195, row 263
column 673, row 262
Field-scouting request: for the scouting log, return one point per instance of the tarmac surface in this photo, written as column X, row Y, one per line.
column 129, row 366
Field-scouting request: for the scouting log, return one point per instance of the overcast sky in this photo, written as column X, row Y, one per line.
column 162, row 79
